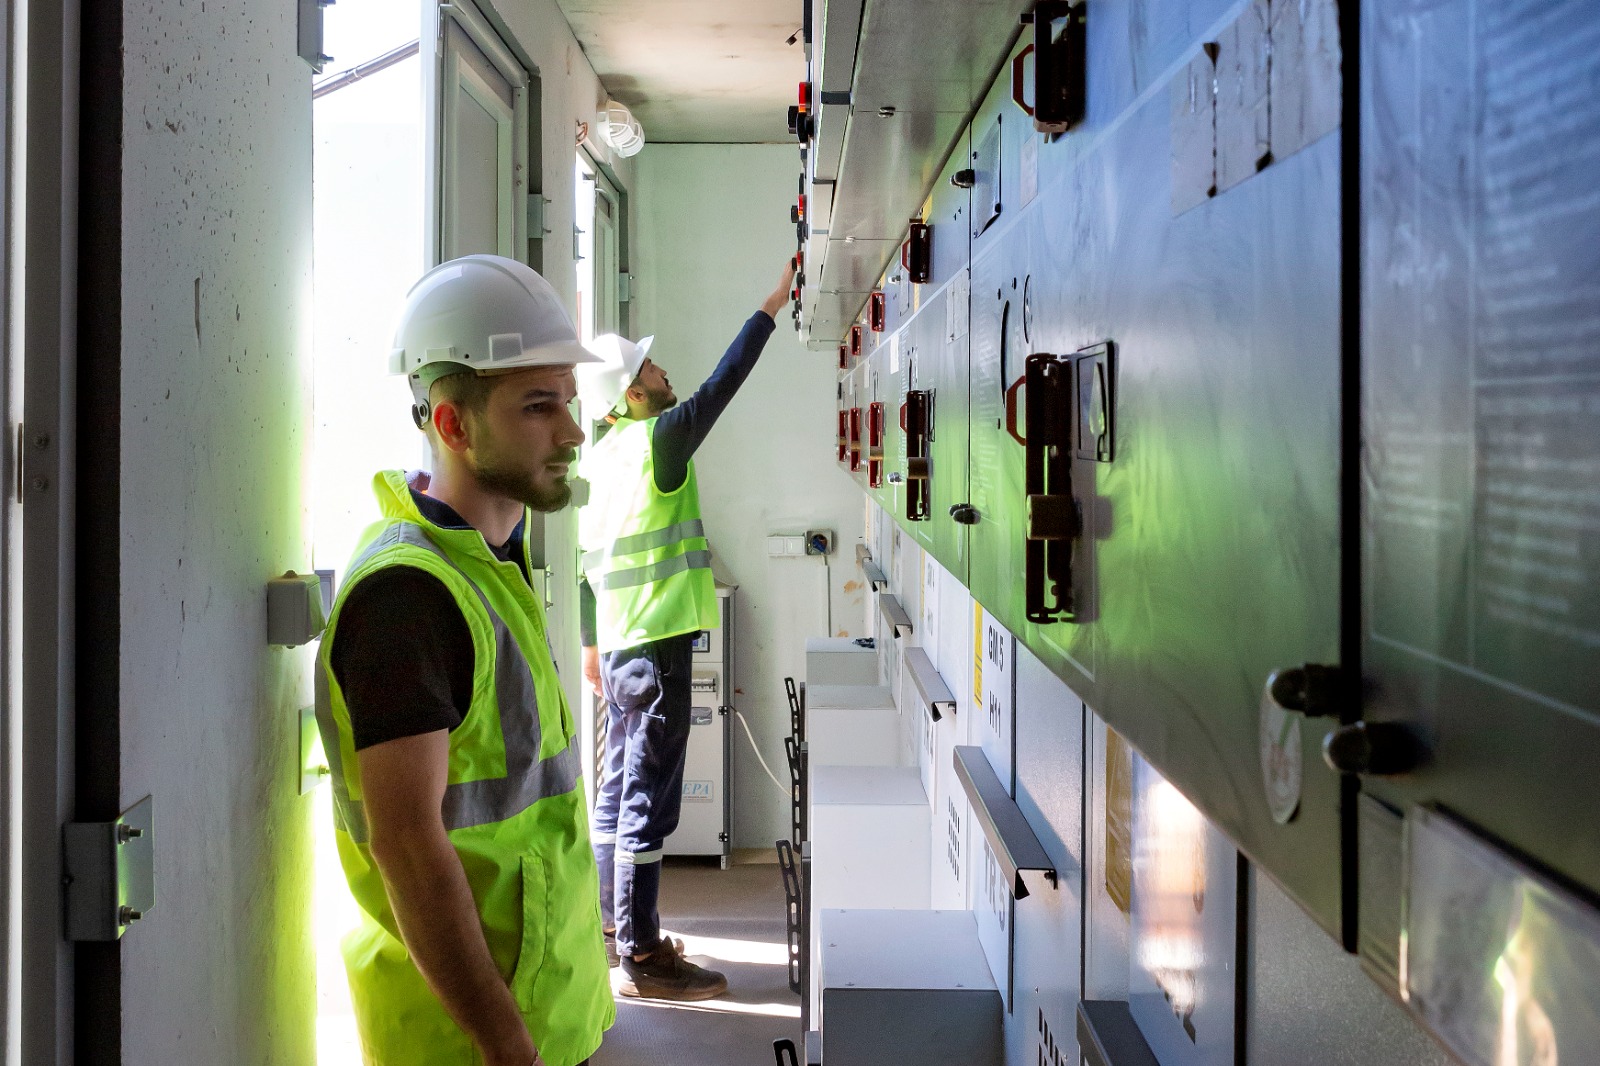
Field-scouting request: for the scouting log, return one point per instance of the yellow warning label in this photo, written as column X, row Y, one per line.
column 977, row 655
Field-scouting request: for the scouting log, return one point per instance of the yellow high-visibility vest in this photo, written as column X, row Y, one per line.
column 645, row 552
column 513, row 808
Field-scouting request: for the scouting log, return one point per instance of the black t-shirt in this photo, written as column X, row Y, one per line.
column 402, row 652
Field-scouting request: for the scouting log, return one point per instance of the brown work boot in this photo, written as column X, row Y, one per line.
column 613, row 960
column 666, row 974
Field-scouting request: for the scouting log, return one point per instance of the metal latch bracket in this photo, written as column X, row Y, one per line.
column 109, row 873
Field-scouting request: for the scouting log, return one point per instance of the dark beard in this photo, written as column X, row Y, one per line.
column 660, row 400
column 517, row 485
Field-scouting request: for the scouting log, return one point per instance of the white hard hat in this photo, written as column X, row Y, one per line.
column 601, row 384
column 480, row 312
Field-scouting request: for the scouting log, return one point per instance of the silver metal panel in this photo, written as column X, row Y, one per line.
column 827, row 145
column 834, row 41
column 1050, row 795
column 855, row 266
column 1499, row 961
column 887, row 169
column 1481, row 415
column 933, row 55
column 1222, row 501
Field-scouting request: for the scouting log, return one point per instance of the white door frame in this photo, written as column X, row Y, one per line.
column 442, row 76
column 42, row 212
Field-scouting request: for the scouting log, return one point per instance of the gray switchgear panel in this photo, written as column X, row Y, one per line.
column 1324, row 400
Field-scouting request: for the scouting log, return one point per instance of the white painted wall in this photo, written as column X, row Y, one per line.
column 713, row 233
column 216, row 274
column 217, row 464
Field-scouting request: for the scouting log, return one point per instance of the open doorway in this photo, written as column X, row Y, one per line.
column 422, row 126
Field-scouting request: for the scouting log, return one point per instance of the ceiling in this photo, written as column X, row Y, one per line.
column 696, row 70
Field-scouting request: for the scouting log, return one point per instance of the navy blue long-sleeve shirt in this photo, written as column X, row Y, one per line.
column 680, row 430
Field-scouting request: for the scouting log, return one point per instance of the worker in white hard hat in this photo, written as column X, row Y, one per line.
column 458, row 807
column 647, row 592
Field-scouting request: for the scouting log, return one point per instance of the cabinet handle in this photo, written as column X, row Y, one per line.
column 914, row 420
column 1054, row 520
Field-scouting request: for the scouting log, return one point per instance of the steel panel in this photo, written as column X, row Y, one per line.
column 835, row 35
column 933, row 55
column 941, row 367
column 1480, row 313
column 1049, row 792
column 1213, row 537
column 887, row 169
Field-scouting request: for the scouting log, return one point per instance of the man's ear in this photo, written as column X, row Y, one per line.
column 450, row 425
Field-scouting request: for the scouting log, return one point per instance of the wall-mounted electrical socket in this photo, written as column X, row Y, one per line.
column 819, row 542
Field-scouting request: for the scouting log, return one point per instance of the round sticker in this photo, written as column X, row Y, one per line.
column 1281, row 768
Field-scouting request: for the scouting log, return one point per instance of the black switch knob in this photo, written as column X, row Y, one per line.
column 964, row 179
column 1379, row 749
column 1314, row 690
column 964, row 514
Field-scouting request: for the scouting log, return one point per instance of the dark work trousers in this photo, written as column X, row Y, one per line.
column 641, row 782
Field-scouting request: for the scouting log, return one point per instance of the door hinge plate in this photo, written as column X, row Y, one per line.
column 109, row 873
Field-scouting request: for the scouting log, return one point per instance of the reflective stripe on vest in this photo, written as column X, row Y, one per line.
column 643, row 575
column 641, row 542
column 528, row 778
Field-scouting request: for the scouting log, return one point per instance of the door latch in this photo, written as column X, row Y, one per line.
column 914, row 420
column 1058, row 66
column 875, row 446
column 916, row 254
column 1054, row 520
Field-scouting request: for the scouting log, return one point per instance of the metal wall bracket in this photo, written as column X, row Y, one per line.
column 538, row 215
column 1010, row 837
column 109, row 877
column 894, row 614
column 310, row 34
column 936, row 695
column 875, row 575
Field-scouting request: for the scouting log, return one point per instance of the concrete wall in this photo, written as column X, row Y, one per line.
column 713, row 234
column 216, row 467
column 216, row 277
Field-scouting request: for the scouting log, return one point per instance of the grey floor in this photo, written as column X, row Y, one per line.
column 730, row 920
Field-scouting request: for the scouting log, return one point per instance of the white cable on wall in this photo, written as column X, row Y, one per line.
column 781, row 786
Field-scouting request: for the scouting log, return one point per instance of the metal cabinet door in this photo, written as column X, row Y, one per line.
column 477, row 135
column 1480, row 426
column 1210, row 550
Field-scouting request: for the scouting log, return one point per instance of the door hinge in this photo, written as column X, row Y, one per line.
column 16, row 458
column 108, row 876
column 537, row 210
column 624, row 287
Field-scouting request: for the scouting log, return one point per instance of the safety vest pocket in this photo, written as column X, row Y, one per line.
column 535, row 930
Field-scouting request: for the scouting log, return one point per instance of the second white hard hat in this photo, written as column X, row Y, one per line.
column 480, row 312
column 601, row 384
